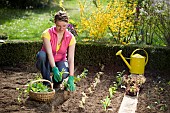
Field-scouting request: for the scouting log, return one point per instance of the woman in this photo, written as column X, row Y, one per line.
column 57, row 52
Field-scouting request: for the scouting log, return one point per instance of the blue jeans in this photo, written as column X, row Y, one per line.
column 43, row 65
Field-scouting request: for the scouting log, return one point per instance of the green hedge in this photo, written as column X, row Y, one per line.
column 16, row 53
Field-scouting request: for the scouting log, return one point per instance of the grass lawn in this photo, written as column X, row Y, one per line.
column 29, row 24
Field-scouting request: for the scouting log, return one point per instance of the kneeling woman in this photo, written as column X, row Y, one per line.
column 57, row 52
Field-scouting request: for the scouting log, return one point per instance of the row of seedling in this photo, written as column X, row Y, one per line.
column 112, row 90
column 89, row 90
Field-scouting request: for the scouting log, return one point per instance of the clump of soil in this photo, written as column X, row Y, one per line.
column 133, row 83
column 153, row 98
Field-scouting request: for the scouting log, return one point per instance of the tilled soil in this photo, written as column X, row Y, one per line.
column 153, row 98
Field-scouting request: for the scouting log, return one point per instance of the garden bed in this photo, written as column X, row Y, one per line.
column 153, row 98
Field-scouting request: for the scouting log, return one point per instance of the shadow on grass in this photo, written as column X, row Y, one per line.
column 7, row 15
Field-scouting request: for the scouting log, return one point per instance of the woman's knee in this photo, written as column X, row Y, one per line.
column 41, row 55
column 62, row 65
column 41, row 59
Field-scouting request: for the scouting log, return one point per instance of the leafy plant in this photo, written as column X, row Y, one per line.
column 62, row 72
column 112, row 91
column 132, row 89
column 106, row 102
column 119, row 77
column 66, row 85
column 163, row 107
column 22, row 93
column 82, row 75
column 39, row 87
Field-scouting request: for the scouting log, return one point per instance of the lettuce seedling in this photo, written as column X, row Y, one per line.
column 106, row 102
column 82, row 75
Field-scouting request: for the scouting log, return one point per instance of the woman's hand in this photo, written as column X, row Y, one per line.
column 71, row 85
column 56, row 75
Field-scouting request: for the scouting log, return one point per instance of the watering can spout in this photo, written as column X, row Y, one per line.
column 120, row 53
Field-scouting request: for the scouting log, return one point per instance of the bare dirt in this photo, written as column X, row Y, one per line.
column 153, row 98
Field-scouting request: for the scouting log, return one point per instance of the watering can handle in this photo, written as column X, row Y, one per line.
column 145, row 53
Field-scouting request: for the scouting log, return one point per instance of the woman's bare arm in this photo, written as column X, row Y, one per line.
column 71, row 52
column 48, row 48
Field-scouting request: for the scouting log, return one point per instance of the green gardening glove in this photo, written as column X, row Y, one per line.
column 56, row 75
column 71, row 85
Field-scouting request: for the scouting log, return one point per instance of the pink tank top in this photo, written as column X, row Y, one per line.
column 61, row 54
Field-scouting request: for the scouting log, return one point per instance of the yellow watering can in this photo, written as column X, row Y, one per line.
column 137, row 61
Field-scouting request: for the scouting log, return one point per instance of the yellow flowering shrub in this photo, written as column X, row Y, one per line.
column 100, row 18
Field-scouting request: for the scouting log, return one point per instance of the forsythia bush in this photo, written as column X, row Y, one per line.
column 113, row 19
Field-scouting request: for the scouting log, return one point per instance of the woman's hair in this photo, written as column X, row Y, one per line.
column 61, row 16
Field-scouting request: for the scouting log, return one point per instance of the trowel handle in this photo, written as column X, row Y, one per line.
column 146, row 61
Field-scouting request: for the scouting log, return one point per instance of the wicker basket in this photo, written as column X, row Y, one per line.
column 42, row 96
